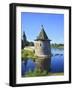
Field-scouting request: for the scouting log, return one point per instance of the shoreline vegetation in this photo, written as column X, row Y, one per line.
column 26, row 54
column 39, row 73
column 57, row 46
column 28, row 51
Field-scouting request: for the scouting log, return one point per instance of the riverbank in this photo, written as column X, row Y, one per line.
column 55, row 74
column 57, row 46
column 30, row 74
column 29, row 53
column 26, row 54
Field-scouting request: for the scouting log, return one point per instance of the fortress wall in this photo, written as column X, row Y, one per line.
column 42, row 48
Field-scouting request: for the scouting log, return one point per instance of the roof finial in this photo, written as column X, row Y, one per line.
column 42, row 26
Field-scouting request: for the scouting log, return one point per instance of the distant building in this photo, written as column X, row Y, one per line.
column 42, row 45
column 24, row 40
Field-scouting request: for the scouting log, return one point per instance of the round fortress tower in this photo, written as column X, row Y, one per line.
column 42, row 45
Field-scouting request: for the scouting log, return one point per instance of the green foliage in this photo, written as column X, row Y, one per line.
column 58, row 46
column 28, row 54
column 36, row 72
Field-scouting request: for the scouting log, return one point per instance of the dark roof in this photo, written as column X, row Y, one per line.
column 42, row 35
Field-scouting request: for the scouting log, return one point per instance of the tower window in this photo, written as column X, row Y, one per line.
column 40, row 44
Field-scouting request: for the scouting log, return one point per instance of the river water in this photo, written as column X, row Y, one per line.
column 54, row 64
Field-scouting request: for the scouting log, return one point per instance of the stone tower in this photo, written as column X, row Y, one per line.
column 42, row 45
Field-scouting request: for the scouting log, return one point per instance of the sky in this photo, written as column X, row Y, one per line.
column 53, row 25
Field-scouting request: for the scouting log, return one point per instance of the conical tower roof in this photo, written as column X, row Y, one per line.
column 42, row 35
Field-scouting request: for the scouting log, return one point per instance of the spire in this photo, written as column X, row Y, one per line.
column 42, row 27
column 42, row 35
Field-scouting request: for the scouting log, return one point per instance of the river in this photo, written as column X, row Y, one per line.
column 54, row 64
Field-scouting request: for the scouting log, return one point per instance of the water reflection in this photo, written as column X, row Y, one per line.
column 53, row 64
column 43, row 64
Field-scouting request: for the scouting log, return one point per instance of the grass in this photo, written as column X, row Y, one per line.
column 38, row 72
column 55, row 74
column 28, row 54
column 35, row 73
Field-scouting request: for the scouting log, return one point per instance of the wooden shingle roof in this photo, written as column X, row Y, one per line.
column 42, row 35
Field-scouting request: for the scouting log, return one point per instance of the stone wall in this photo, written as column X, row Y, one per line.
column 42, row 48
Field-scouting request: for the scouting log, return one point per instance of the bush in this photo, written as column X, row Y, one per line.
column 27, row 54
column 36, row 72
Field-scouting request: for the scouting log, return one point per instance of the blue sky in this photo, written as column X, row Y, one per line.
column 53, row 25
